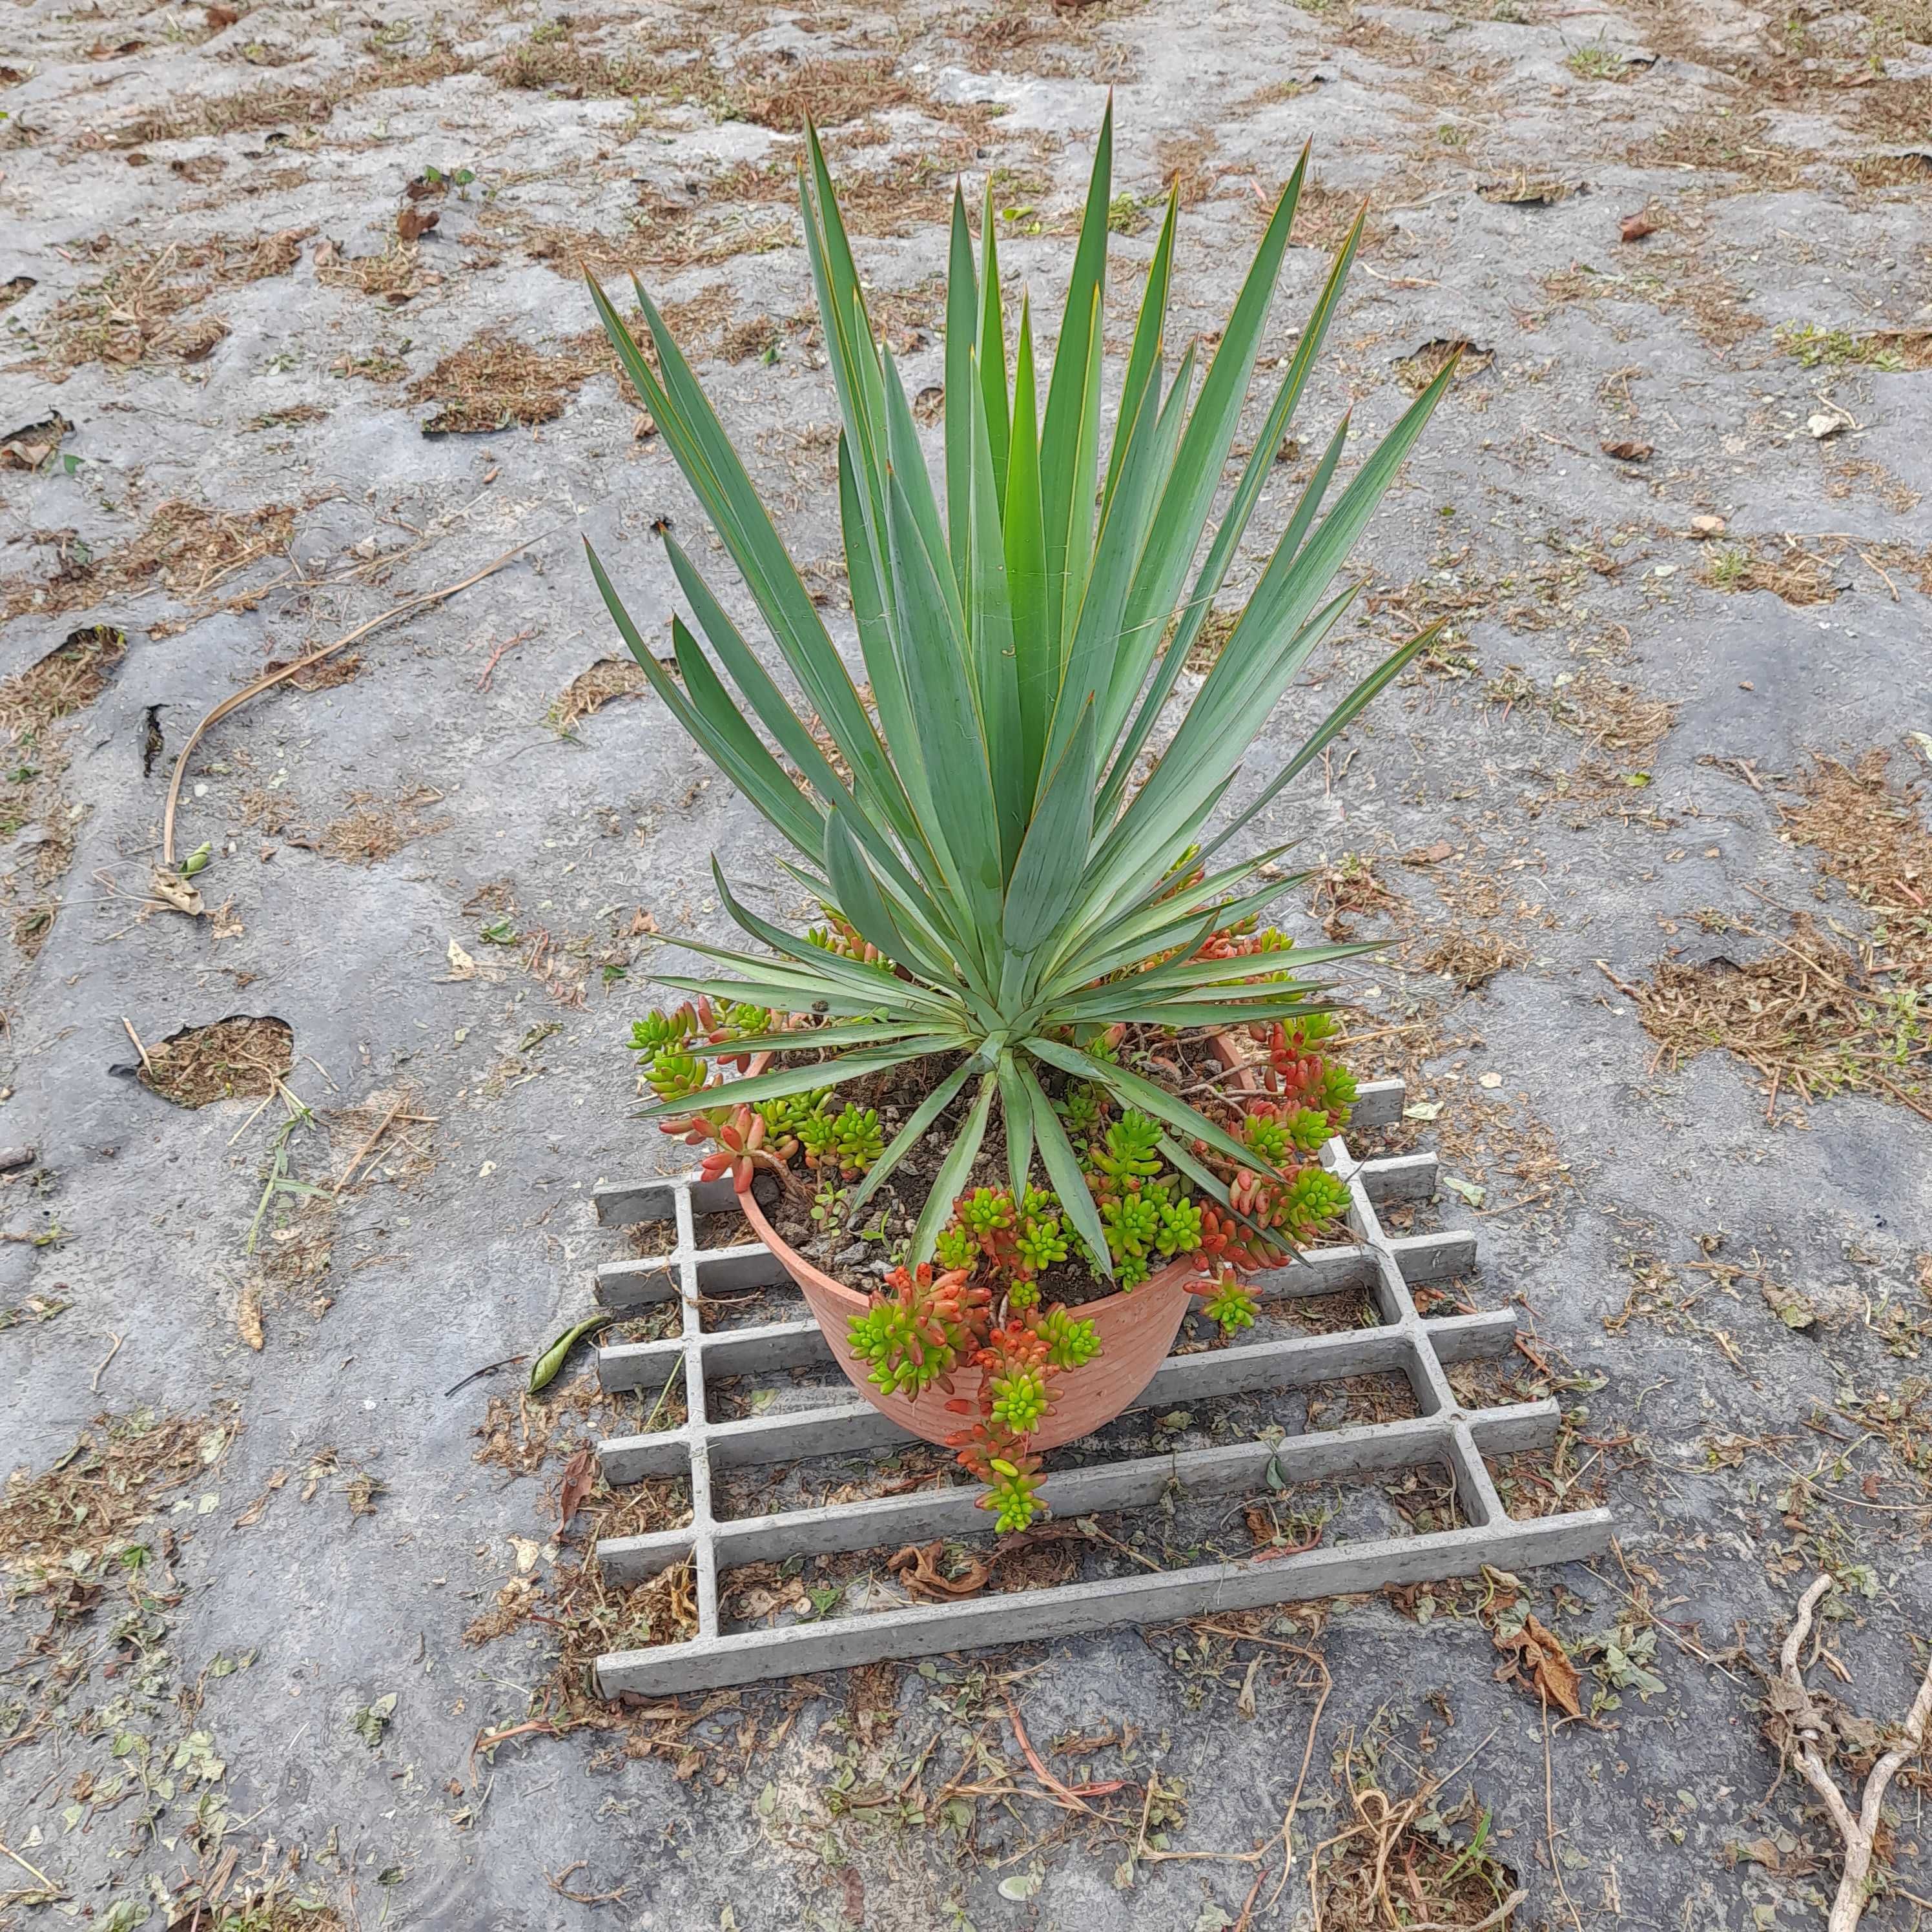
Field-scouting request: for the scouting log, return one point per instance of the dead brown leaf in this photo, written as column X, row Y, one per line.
column 917, row 1568
column 1537, row 1660
column 579, row 1478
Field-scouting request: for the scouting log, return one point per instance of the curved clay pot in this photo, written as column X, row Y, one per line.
column 1136, row 1330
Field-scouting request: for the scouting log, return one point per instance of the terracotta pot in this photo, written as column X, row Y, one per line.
column 1136, row 1330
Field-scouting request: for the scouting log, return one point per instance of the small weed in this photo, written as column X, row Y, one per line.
column 1597, row 62
column 1814, row 347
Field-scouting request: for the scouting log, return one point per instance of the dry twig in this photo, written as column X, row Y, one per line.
column 1799, row 1727
column 237, row 700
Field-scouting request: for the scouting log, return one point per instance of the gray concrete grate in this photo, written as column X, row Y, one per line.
column 1420, row 1347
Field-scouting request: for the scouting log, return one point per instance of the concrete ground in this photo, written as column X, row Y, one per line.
column 1673, row 510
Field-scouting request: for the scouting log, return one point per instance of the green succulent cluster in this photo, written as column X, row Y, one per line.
column 1070, row 1340
column 1040, row 1243
column 895, row 1340
column 661, row 1031
column 1018, row 1239
column 1019, row 1399
column 849, row 1140
column 1233, row 1304
column 1081, row 1107
column 1155, row 1220
column 1013, row 1495
column 1312, row 1198
column 988, row 1211
column 1129, row 1149
column 674, row 1076
column 791, row 1116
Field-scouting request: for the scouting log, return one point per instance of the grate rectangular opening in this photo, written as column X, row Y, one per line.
column 770, row 1427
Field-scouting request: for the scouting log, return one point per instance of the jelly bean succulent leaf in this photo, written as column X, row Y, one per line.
column 988, row 825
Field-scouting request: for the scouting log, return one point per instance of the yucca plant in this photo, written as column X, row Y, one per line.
column 1017, row 877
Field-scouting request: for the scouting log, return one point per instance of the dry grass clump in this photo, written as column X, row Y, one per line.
column 243, row 1057
column 137, row 307
column 1735, row 144
column 1388, row 1848
column 394, row 276
column 781, row 94
column 556, row 60
column 271, row 106
column 1472, row 959
column 778, row 92
column 588, row 1614
column 276, row 105
column 1351, row 888
column 71, row 676
column 191, row 551
column 742, row 341
column 1611, row 717
column 1187, row 165
column 495, row 381
column 1898, row 112
column 1907, row 170
column 1793, row 574
column 375, row 828
column 1868, row 834
column 56, row 1528
column 1812, row 1015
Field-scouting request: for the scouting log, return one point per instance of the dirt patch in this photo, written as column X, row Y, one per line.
column 376, row 828
column 71, row 676
column 608, row 678
column 243, row 1057
column 138, row 306
column 1416, row 372
column 58, row 1529
column 495, row 381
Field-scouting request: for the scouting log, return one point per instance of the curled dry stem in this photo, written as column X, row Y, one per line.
column 1799, row 1727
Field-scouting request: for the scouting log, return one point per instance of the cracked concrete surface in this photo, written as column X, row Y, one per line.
column 1593, row 760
